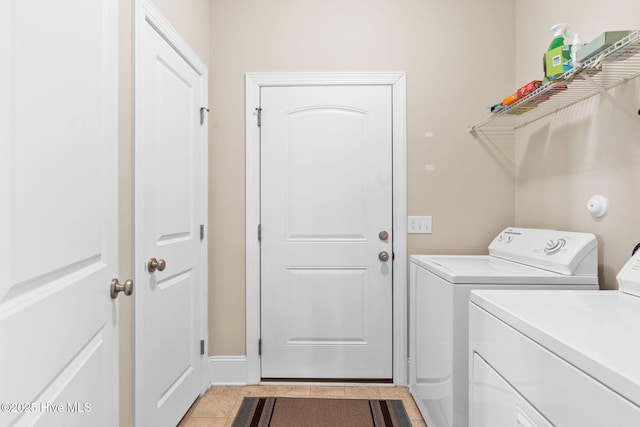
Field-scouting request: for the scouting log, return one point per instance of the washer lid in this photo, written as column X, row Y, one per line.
column 480, row 269
column 596, row 331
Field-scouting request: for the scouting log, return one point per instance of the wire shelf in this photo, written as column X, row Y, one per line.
column 615, row 65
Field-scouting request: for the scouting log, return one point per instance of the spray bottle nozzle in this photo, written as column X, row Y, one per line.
column 559, row 33
column 560, row 30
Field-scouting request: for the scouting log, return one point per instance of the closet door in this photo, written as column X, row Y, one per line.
column 58, row 212
column 170, row 214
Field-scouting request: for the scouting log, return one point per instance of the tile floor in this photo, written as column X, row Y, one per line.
column 219, row 405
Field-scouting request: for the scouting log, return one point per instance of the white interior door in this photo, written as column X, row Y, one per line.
column 170, row 155
column 326, row 195
column 58, row 213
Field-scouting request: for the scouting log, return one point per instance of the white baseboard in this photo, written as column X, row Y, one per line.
column 228, row 370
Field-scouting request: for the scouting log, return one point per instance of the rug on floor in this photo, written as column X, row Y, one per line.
column 308, row 412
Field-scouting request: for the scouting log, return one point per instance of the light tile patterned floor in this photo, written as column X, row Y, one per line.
column 219, row 405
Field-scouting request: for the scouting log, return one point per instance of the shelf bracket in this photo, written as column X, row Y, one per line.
column 599, row 88
column 615, row 102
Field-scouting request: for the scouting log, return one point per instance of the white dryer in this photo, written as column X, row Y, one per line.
column 562, row 358
column 440, row 285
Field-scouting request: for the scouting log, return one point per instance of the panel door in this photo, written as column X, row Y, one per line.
column 169, row 184
column 58, row 212
column 326, row 197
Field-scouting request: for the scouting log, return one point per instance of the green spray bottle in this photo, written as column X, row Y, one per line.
column 559, row 33
column 554, row 57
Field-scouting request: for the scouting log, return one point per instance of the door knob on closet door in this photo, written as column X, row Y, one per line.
column 116, row 288
column 156, row 264
column 383, row 256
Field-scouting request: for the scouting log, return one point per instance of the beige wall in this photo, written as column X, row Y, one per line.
column 591, row 148
column 458, row 57
column 191, row 20
column 125, row 207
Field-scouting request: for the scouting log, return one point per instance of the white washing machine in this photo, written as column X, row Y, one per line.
column 562, row 358
column 439, row 302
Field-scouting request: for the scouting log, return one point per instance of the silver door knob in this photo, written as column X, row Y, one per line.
column 156, row 264
column 116, row 288
column 383, row 256
column 383, row 235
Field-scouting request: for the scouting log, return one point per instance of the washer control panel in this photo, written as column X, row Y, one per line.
column 564, row 252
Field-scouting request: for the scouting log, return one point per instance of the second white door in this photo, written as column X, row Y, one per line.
column 170, row 156
column 326, row 227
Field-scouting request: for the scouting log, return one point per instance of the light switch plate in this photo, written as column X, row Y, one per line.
column 419, row 225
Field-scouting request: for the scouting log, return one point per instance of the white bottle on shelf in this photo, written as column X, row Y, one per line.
column 575, row 46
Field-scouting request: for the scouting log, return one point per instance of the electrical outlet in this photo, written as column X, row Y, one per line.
column 419, row 225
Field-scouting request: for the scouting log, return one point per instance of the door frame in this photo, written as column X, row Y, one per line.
column 253, row 83
column 146, row 13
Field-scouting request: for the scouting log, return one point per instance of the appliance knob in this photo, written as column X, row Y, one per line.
column 554, row 246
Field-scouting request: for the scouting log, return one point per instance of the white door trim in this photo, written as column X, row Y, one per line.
column 253, row 83
column 146, row 11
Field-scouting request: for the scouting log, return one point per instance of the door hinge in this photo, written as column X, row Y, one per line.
column 202, row 110
column 393, row 256
column 201, row 347
column 259, row 346
column 259, row 112
column 259, row 232
column 201, row 231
